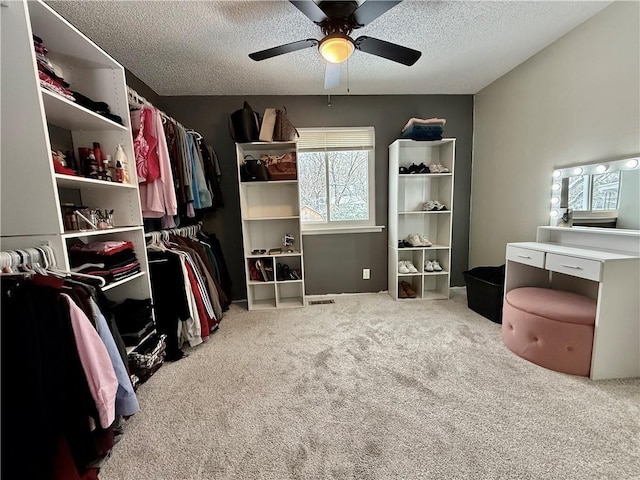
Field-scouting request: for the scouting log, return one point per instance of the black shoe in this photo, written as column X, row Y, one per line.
column 413, row 168
column 422, row 168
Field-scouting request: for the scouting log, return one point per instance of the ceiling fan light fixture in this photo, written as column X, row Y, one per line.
column 336, row 48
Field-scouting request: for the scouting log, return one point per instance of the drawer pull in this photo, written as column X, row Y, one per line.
column 575, row 267
column 524, row 256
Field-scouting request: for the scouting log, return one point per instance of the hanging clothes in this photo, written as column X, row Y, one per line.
column 62, row 403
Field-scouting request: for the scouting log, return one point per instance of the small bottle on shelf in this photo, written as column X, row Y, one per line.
column 119, row 172
column 120, row 158
column 93, row 165
column 97, row 152
column 108, row 169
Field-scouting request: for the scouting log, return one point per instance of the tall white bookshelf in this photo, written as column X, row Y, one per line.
column 271, row 209
column 407, row 194
column 30, row 188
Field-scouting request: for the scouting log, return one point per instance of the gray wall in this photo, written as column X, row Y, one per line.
column 573, row 103
column 334, row 263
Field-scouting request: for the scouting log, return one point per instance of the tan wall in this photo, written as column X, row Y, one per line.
column 576, row 101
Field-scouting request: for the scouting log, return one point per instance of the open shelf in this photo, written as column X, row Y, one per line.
column 122, row 282
column 106, row 231
column 418, row 175
column 71, row 116
column 69, row 181
column 423, row 212
column 131, row 349
column 272, row 218
column 294, row 302
column 263, row 304
column 270, row 182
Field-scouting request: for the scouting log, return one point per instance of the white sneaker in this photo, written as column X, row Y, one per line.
column 436, row 266
column 411, row 267
column 442, row 169
column 429, row 205
column 402, row 267
column 424, row 241
column 439, row 206
column 414, row 240
column 428, row 266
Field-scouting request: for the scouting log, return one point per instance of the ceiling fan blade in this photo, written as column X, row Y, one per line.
column 287, row 48
column 370, row 10
column 390, row 51
column 331, row 75
column 310, row 9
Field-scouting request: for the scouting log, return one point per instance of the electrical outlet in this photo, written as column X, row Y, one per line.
column 366, row 274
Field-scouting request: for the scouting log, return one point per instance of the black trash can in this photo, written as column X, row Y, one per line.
column 485, row 291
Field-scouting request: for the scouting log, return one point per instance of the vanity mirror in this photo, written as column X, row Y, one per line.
column 600, row 194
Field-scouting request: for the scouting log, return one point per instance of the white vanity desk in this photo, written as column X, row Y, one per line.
column 600, row 263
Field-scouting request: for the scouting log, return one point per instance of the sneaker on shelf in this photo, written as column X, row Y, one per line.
column 424, row 241
column 403, row 267
column 429, row 205
column 439, row 206
column 442, row 168
column 414, row 240
column 413, row 168
column 403, row 170
column 411, row 266
column 433, row 168
column 436, row 266
column 422, row 168
column 428, row 266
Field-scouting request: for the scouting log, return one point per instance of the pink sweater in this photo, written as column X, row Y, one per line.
column 96, row 364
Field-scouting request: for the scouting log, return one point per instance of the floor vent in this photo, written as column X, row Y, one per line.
column 320, row 302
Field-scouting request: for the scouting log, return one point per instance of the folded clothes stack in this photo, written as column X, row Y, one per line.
column 53, row 82
column 424, row 129
column 46, row 72
column 112, row 260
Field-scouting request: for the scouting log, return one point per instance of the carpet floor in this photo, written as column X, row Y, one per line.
column 373, row 389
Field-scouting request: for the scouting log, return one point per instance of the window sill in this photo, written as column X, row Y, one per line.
column 339, row 230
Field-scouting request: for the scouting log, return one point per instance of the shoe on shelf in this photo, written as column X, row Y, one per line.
column 428, row 266
column 439, row 206
column 414, row 240
column 403, row 170
column 442, row 168
column 403, row 267
column 424, row 241
column 411, row 266
column 429, row 205
column 433, row 168
column 408, row 290
column 436, row 266
column 422, row 168
column 413, row 168
column 402, row 293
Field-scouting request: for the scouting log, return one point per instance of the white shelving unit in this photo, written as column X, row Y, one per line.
column 30, row 189
column 407, row 194
column 269, row 210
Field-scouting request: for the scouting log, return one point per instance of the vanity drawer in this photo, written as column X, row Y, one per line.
column 577, row 267
column 534, row 258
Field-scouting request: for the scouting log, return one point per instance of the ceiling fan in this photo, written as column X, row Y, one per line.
column 338, row 19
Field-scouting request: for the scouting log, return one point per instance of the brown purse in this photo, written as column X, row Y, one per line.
column 283, row 129
column 281, row 167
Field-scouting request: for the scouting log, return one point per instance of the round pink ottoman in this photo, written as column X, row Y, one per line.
column 551, row 328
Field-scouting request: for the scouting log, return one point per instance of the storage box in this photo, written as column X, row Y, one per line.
column 485, row 291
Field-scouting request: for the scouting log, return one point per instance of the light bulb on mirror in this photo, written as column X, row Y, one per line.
column 601, row 168
column 633, row 163
column 577, row 170
column 557, row 174
column 554, row 213
column 555, row 201
column 555, row 187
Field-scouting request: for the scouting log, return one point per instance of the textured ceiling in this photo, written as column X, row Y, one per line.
column 201, row 47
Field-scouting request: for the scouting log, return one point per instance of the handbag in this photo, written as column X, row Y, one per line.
column 268, row 125
column 283, row 130
column 244, row 125
column 253, row 170
column 281, row 167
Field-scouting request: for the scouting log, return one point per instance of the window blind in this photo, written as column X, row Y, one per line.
column 336, row 138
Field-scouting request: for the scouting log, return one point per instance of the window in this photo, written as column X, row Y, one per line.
column 597, row 192
column 336, row 178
